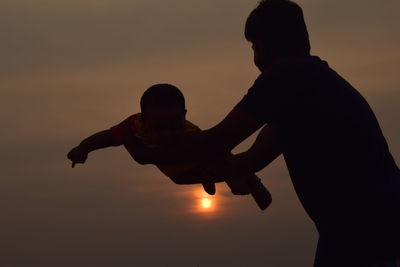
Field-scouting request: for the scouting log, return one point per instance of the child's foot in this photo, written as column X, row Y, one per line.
column 209, row 187
column 239, row 186
column 260, row 194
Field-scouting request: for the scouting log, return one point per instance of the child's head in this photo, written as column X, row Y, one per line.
column 163, row 109
column 277, row 28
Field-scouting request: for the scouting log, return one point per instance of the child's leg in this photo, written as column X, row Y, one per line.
column 199, row 175
column 259, row 192
column 250, row 184
column 238, row 186
column 209, row 187
column 240, row 183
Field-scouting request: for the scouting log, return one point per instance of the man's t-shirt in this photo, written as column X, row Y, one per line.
column 336, row 154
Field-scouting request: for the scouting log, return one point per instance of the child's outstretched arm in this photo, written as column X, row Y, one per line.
column 96, row 141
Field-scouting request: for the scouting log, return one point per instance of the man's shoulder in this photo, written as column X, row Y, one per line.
column 135, row 116
column 295, row 75
column 295, row 66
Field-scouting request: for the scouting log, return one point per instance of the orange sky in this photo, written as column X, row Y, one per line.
column 71, row 68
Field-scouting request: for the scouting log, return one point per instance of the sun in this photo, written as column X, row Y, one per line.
column 206, row 203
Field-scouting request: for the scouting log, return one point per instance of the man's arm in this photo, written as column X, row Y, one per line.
column 206, row 145
column 266, row 148
column 96, row 141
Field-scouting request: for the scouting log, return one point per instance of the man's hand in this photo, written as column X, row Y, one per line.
column 77, row 155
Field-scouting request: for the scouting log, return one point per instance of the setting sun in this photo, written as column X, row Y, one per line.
column 206, row 203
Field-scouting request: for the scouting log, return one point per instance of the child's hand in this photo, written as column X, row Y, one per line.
column 77, row 155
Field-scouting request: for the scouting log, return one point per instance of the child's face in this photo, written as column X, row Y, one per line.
column 166, row 121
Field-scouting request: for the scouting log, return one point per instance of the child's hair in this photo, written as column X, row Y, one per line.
column 162, row 95
column 279, row 23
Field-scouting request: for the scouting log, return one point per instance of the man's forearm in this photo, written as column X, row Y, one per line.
column 265, row 149
column 209, row 144
column 97, row 141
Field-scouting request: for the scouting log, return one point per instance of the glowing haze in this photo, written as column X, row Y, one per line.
column 71, row 68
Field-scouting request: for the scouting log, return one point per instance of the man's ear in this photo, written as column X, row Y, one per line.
column 184, row 114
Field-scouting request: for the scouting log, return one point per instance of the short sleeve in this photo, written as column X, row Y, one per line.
column 262, row 100
column 118, row 131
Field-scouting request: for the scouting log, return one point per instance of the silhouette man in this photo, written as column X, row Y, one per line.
column 337, row 157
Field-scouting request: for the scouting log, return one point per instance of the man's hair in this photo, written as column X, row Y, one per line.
column 160, row 96
column 280, row 24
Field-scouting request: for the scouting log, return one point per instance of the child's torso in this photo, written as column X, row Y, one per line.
column 152, row 138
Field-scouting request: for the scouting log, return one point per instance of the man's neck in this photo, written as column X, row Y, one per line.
column 276, row 59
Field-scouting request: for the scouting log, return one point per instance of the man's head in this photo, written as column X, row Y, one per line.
column 163, row 109
column 276, row 28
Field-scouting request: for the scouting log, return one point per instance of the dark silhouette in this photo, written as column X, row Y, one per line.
column 163, row 123
column 336, row 154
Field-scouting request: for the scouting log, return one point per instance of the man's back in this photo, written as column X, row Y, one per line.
column 332, row 137
column 335, row 152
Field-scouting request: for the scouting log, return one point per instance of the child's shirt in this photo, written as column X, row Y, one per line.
column 135, row 125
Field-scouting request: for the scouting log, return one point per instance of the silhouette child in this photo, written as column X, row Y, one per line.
column 162, row 122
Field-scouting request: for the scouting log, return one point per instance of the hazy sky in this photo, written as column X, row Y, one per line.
column 71, row 68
